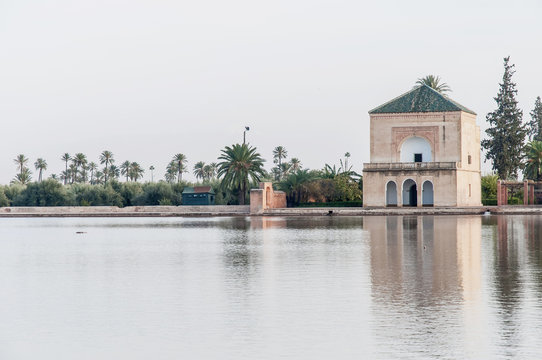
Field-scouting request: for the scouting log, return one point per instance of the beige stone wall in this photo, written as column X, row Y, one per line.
column 454, row 137
column 441, row 130
column 444, row 182
column 266, row 198
column 469, row 188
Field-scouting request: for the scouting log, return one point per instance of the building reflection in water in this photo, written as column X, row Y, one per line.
column 427, row 270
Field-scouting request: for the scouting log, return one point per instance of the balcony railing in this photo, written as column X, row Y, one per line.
column 402, row 166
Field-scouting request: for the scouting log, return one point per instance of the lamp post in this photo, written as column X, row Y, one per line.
column 244, row 134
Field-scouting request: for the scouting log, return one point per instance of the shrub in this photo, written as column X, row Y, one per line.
column 46, row 193
column 95, row 195
column 157, row 194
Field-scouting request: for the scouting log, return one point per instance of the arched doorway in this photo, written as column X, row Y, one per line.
column 416, row 149
column 427, row 193
column 410, row 193
column 391, row 193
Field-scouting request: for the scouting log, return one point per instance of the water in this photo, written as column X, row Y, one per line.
column 267, row 288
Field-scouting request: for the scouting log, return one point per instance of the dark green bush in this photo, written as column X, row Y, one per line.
column 96, row 195
column 46, row 193
column 489, row 202
column 157, row 194
column 333, row 204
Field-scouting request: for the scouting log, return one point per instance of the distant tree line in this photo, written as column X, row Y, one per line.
column 238, row 169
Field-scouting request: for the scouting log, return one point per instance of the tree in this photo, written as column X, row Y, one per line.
column 434, row 83
column 106, row 158
column 240, row 164
column 279, row 153
column 535, row 125
column 210, row 171
column 506, row 133
column 295, row 164
column 125, row 169
column 113, row 172
column 295, row 186
column 136, row 171
column 171, row 172
column 533, row 160
column 199, row 170
column 21, row 162
column 180, row 161
column 92, row 166
column 23, row 177
column 66, row 157
column 80, row 162
column 40, row 165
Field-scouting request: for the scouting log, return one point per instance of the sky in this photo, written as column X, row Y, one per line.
column 147, row 79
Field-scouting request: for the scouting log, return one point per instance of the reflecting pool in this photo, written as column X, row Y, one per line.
column 393, row 287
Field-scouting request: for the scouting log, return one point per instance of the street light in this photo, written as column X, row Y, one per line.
column 244, row 134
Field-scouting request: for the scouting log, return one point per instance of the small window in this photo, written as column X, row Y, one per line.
column 470, row 194
column 469, row 159
column 417, row 157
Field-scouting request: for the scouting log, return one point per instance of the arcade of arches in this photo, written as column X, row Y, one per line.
column 409, row 193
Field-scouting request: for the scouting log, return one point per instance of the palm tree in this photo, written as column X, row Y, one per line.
column 151, row 168
column 171, row 171
column 295, row 185
column 125, row 169
column 295, row 164
column 21, row 162
column 180, row 160
column 40, row 166
column 199, row 171
column 23, row 177
column 171, row 174
column 279, row 153
column 136, row 171
column 434, row 83
column 213, row 168
column 209, row 171
column 113, row 172
column 92, row 166
column 106, row 157
column 66, row 157
column 533, row 165
column 240, row 164
column 80, row 161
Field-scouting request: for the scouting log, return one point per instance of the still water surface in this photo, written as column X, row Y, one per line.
column 267, row 288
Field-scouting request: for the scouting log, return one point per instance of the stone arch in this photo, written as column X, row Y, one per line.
column 410, row 193
column 391, row 193
column 415, row 145
column 428, row 193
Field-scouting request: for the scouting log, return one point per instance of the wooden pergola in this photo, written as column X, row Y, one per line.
column 504, row 187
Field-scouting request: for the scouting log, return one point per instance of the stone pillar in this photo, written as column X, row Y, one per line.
column 257, row 201
column 400, row 195
column 420, row 195
column 525, row 192
column 531, row 193
column 499, row 193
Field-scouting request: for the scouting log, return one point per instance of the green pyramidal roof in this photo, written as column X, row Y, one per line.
column 420, row 99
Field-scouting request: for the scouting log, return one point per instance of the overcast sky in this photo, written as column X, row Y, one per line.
column 147, row 79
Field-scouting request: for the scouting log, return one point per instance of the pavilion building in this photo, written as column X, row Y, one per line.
column 425, row 151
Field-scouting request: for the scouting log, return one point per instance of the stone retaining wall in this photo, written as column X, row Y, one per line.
column 65, row 211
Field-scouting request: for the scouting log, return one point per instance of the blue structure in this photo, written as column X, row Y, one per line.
column 198, row 195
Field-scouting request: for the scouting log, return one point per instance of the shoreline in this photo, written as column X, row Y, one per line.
column 244, row 210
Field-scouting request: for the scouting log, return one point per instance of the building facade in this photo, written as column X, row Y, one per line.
column 425, row 151
column 198, row 195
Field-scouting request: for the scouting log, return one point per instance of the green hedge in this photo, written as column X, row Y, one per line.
column 489, row 202
column 333, row 204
